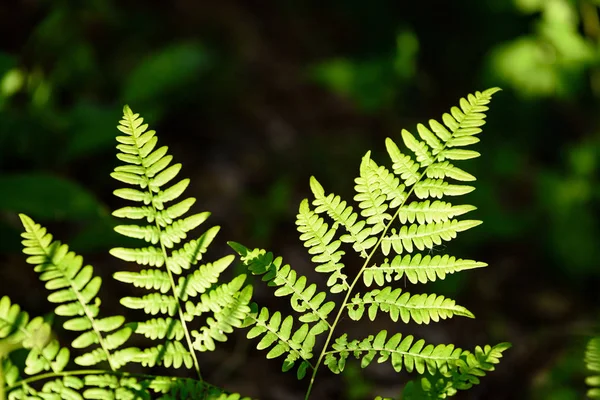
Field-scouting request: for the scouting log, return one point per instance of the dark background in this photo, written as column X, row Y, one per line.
column 254, row 97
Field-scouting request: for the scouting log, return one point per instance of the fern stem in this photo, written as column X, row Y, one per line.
column 186, row 331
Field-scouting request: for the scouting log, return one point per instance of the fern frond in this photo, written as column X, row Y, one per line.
column 115, row 387
column 203, row 278
column 157, row 192
column 420, row 308
column 74, row 288
column 304, row 299
column 182, row 388
column 17, row 331
column 358, row 234
column 229, row 304
column 151, row 279
column 592, row 362
column 417, row 268
column 172, row 353
column 387, row 220
column 427, row 212
column 371, row 197
column 463, row 374
column 277, row 332
column 403, row 353
column 423, row 236
column 317, row 236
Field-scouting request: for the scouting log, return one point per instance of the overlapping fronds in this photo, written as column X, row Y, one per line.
column 174, row 298
column 399, row 215
column 463, row 373
column 74, row 289
column 17, row 331
column 278, row 331
column 592, row 362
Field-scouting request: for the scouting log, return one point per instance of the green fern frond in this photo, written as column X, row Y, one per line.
column 172, row 353
column 417, row 268
column 403, row 353
column 157, row 193
column 115, row 387
column 387, row 222
column 420, row 308
column 279, row 333
column 464, row 373
column 357, row 233
column 592, row 362
column 304, row 299
column 427, row 212
column 74, row 288
column 317, row 236
column 182, row 388
column 424, row 235
column 17, row 331
column 229, row 304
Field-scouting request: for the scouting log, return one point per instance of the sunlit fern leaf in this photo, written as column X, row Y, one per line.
column 172, row 353
column 370, row 195
column 357, row 231
column 10, row 372
column 171, row 388
column 318, row 237
column 396, row 215
column 423, row 236
column 74, row 288
column 109, row 387
column 202, row 278
column 428, row 212
column 229, row 304
column 151, row 279
column 417, row 268
column 65, row 387
column 17, row 331
column 304, row 298
column 153, row 304
column 402, row 352
column 420, row 308
column 465, row 372
column 160, row 328
column 592, row 362
column 163, row 223
column 278, row 334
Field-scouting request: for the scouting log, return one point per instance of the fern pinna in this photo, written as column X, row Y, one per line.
column 592, row 362
column 400, row 216
column 180, row 291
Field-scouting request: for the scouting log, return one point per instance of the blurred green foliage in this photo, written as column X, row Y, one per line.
column 274, row 94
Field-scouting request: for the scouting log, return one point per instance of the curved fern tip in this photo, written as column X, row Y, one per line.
column 238, row 248
column 316, row 187
column 127, row 109
column 492, row 90
column 25, row 219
